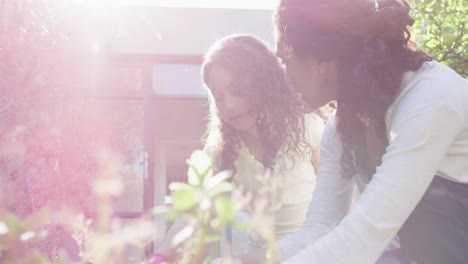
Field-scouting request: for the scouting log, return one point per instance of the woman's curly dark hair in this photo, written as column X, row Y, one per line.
column 280, row 117
column 370, row 42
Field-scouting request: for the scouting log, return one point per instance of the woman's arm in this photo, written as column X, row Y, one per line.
column 423, row 127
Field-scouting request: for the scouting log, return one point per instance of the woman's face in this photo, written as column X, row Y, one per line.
column 315, row 80
column 235, row 109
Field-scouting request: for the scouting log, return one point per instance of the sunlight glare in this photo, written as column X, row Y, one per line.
column 232, row 4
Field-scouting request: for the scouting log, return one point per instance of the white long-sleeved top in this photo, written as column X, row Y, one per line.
column 427, row 130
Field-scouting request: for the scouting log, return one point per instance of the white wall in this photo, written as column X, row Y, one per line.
column 180, row 31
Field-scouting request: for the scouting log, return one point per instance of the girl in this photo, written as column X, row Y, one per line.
column 257, row 124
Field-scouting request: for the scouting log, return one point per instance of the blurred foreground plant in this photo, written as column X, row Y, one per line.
column 205, row 204
column 18, row 235
column 210, row 205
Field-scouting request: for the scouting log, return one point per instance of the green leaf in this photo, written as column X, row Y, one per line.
column 224, row 209
column 429, row 3
column 432, row 43
column 185, row 199
column 448, row 39
column 177, row 186
column 193, row 176
column 13, row 223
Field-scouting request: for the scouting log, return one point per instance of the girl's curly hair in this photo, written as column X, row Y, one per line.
column 370, row 42
column 261, row 79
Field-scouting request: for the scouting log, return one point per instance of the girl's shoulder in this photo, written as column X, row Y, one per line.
column 314, row 125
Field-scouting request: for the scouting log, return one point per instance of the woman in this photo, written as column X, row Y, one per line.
column 400, row 133
column 256, row 124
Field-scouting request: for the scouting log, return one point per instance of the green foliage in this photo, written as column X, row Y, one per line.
column 204, row 202
column 440, row 29
column 17, row 235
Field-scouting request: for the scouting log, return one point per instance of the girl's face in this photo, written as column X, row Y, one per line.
column 313, row 79
column 234, row 108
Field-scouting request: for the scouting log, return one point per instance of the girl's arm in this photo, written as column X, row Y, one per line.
column 331, row 199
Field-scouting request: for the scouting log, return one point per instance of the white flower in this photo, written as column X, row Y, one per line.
column 3, row 228
column 27, row 235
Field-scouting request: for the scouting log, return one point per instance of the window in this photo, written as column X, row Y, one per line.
column 178, row 80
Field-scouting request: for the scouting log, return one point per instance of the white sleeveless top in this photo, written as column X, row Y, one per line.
column 296, row 179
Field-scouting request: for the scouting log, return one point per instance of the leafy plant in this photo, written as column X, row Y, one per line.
column 20, row 239
column 440, row 29
column 209, row 203
column 204, row 203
